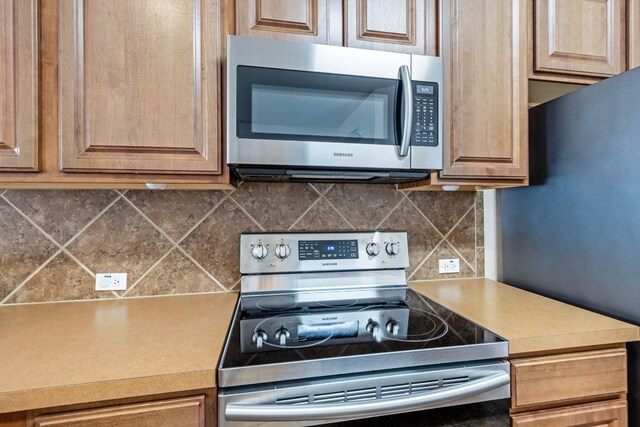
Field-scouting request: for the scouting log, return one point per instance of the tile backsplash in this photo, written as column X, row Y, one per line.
column 53, row 242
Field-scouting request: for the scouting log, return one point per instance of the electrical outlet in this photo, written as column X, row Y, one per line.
column 111, row 282
column 447, row 266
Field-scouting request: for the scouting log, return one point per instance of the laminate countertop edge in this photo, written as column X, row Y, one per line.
column 24, row 400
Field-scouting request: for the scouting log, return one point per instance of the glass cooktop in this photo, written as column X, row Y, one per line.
column 416, row 331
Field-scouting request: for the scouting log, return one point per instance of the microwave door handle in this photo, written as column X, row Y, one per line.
column 424, row 400
column 407, row 100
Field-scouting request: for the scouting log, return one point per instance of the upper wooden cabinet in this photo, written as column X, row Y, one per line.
column 311, row 21
column 18, row 85
column 581, row 38
column 139, row 86
column 485, row 79
column 406, row 26
column 633, row 26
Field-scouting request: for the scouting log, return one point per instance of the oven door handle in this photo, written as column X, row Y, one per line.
column 407, row 100
column 270, row 412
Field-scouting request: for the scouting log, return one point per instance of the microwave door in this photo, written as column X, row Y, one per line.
column 296, row 105
column 307, row 119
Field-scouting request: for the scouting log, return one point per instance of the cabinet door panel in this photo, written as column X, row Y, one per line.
column 311, row 21
column 185, row 412
column 138, row 88
column 604, row 414
column 484, row 51
column 633, row 23
column 18, row 85
column 580, row 37
column 406, row 26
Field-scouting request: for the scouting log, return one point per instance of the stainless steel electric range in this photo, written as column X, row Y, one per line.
column 326, row 329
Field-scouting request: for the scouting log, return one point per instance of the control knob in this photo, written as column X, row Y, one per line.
column 373, row 249
column 393, row 327
column 393, row 248
column 282, row 335
column 259, row 251
column 282, row 251
column 374, row 329
column 259, row 337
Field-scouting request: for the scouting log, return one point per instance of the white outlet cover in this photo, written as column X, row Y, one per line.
column 447, row 266
column 111, row 282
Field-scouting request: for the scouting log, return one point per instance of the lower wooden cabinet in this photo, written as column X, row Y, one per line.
column 552, row 390
column 611, row 414
column 565, row 377
column 184, row 412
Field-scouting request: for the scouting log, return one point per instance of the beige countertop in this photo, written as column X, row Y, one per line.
column 530, row 322
column 66, row 353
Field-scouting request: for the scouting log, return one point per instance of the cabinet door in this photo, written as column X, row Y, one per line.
column 139, row 86
column 406, row 26
column 580, row 37
column 311, row 21
column 185, row 412
column 633, row 23
column 18, row 85
column 485, row 80
column 605, row 414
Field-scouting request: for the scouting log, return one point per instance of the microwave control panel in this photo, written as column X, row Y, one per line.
column 425, row 114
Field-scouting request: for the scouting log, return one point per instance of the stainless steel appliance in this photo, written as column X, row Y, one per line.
column 326, row 329
column 299, row 111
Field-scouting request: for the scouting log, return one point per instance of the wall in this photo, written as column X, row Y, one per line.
column 574, row 234
column 169, row 242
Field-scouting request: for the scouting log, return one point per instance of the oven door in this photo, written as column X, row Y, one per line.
column 321, row 401
column 310, row 106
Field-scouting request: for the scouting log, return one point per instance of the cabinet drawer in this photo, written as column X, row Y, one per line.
column 184, row 412
column 601, row 414
column 565, row 377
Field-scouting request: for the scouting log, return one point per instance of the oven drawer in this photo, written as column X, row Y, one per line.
column 566, row 377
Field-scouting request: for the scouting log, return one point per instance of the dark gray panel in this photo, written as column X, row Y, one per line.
column 577, row 235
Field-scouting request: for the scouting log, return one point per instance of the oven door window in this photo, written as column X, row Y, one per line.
column 305, row 106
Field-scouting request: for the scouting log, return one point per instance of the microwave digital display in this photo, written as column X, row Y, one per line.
column 424, row 89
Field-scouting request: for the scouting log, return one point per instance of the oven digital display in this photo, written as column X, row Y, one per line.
column 327, row 249
column 320, row 331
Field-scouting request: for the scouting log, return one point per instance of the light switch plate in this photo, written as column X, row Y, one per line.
column 111, row 282
column 447, row 266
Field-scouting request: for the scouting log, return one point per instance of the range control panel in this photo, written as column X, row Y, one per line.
column 327, row 249
column 425, row 114
column 298, row 252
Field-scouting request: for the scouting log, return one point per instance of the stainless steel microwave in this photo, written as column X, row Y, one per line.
column 305, row 112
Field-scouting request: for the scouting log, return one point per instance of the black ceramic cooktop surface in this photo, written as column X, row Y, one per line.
column 426, row 324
